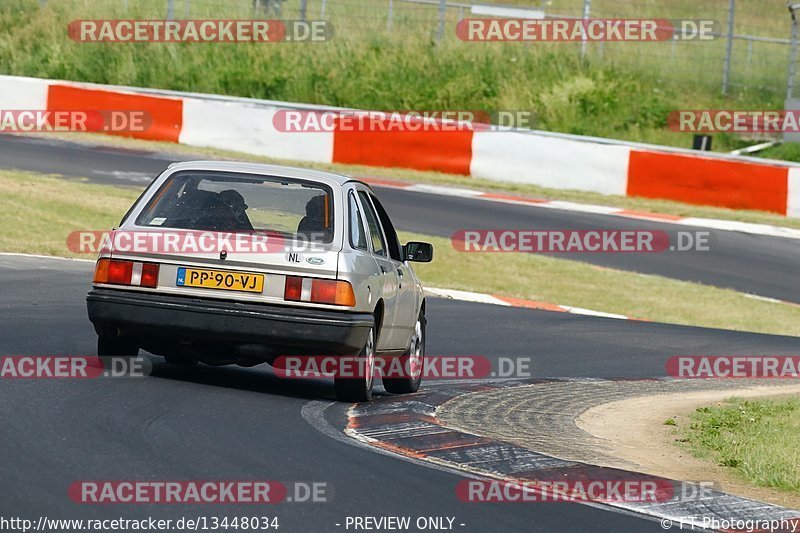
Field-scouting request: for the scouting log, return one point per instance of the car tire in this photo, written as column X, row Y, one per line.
column 359, row 389
column 110, row 348
column 412, row 361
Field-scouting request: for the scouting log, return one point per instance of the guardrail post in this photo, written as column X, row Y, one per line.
column 303, row 6
column 390, row 16
column 170, row 9
column 726, row 74
column 587, row 11
column 792, row 54
column 442, row 11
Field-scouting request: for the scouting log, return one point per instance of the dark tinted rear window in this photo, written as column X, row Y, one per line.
column 232, row 202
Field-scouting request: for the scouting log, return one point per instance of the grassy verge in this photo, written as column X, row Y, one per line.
column 759, row 439
column 620, row 90
column 578, row 284
column 39, row 212
column 438, row 178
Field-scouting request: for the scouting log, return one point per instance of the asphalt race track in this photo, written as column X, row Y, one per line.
column 234, row 423
column 765, row 266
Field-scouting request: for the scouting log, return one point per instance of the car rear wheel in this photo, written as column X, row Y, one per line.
column 411, row 363
column 111, row 348
column 359, row 388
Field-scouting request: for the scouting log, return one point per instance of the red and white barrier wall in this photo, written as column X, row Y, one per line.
column 547, row 159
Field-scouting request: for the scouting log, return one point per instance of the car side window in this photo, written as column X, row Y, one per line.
column 393, row 243
column 378, row 244
column 358, row 238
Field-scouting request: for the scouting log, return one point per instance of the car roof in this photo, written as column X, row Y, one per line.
column 328, row 178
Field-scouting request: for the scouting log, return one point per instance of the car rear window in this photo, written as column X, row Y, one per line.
column 231, row 202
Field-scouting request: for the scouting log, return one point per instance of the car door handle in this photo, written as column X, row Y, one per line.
column 383, row 270
column 400, row 272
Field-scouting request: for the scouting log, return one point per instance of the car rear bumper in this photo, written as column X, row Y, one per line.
column 282, row 328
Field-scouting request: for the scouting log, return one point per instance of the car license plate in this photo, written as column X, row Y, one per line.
column 220, row 279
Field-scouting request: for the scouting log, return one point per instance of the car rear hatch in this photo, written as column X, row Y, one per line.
column 224, row 236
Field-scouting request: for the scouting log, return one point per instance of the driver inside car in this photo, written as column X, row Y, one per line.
column 235, row 201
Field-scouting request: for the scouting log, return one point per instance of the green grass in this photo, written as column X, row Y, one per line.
column 616, row 92
column 38, row 213
column 788, row 152
column 759, row 439
column 565, row 282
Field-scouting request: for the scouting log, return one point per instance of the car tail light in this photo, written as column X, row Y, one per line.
column 320, row 291
column 293, row 290
column 332, row 292
column 150, row 275
column 120, row 272
column 116, row 272
column 101, row 271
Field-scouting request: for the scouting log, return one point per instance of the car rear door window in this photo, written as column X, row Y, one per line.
column 358, row 237
column 375, row 232
column 395, row 250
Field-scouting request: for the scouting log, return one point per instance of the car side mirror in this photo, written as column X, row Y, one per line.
column 421, row 252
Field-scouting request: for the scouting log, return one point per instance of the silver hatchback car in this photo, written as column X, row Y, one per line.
column 237, row 263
